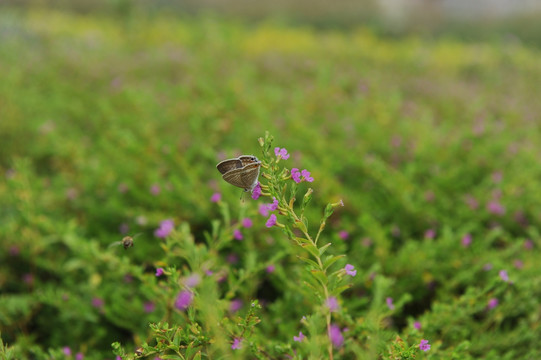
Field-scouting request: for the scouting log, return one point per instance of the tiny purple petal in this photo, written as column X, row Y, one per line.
column 264, row 210
column 79, row 356
column 494, row 207
column 492, row 303
column 424, row 345
column 299, row 338
column 97, row 302
column 193, row 280
column 306, row 175
column 336, row 336
column 237, row 344
column 235, row 305
column 247, row 223
column 256, row 192
column 296, row 175
column 166, row 227
column 216, row 197
column 332, row 303
column 237, row 235
column 344, row 235
column 274, row 205
column 66, row 350
column 155, row 189
column 149, row 307
column 350, row 270
column 504, row 276
column 528, row 244
column 389, row 302
column 430, row 234
column 271, row 221
column 518, row 264
column 466, row 240
column 159, row 272
column 184, row 299
column 417, row 325
column 270, row 269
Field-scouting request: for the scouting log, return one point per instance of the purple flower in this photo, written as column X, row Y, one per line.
column 492, row 303
column 159, row 272
column 343, row 235
column 237, row 234
column 270, row 269
column 417, row 325
column 66, row 350
column 389, row 302
column 149, row 307
column 424, row 345
column 296, row 175
column 430, row 234
column 336, row 336
column 528, row 244
column 282, row 153
column 271, row 221
column 332, row 303
column 466, row 240
column 518, row 264
column 237, row 344
column 79, row 356
column 247, row 223
column 235, row 305
column 209, row 272
column 184, row 299
column 216, row 197
column 494, row 207
column 306, row 175
column 299, row 338
column 166, row 227
column 193, row 280
column 350, row 270
column 504, row 276
column 256, row 192
column 155, row 189
column 472, row 202
column 97, row 302
column 274, row 204
column 264, row 210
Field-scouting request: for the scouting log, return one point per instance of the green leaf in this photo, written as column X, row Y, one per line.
column 341, row 289
column 320, row 276
column 331, row 259
column 324, row 248
column 311, row 249
column 309, row 261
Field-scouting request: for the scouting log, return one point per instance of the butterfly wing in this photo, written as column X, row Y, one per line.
column 245, row 177
column 228, row 165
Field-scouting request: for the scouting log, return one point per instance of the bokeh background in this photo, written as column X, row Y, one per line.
column 423, row 116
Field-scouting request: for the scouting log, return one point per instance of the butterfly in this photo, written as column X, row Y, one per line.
column 242, row 171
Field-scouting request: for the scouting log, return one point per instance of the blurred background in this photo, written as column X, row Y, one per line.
column 423, row 116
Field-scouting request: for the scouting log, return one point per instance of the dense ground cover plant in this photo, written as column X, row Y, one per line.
column 112, row 127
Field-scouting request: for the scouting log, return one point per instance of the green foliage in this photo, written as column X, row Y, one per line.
column 111, row 126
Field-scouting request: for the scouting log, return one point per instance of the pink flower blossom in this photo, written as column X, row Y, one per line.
column 149, row 307
column 492, row 303
column 184, row 300
column 332, row 303
column 235, row 305
column 424, row 345
column 282, row 153
column 216, row 197
column 299, row 338
column 237, row 235
column 344, row 235
column 256, row 192
column 503, row 275
column 336, row 336
column 496, row 208
column 350, row 270
column 159, row 271
column 155, row 189
column 466, row 240
column 166, row 227
column 271, row 221
column 389, row 302
column 247, row 223
column 417, row 325
column 270, row 269
column 237, row 344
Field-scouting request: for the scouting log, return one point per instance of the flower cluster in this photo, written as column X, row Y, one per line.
column 299, row 176
column 166, row 227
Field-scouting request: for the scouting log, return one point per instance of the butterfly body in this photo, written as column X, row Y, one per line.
column 242, row 172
